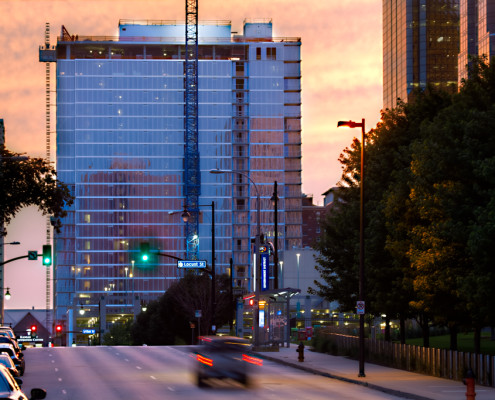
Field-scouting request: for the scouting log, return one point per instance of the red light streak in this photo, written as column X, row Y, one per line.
column 252, row 360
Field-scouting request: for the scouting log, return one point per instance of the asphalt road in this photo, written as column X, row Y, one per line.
column 133, row 373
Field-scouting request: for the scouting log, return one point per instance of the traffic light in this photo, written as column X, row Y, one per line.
column 58, row 329
column 47, row 254
column 34, row 329
column 144, row 249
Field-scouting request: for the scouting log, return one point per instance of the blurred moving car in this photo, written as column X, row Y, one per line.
column 9, row 364
column 224, row 357
column 10, row 388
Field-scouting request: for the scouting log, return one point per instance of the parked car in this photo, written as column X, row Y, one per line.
column 224, row 357
column 10, row 388
column 18, row 359
column 7, row 362
column 9, row 331
column 8, row 340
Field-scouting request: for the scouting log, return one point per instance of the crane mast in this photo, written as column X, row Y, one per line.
column 192, row 177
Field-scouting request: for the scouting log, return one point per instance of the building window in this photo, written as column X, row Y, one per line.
column 271, row 53
column 258, row 53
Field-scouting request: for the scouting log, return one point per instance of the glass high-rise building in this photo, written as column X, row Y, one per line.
column 420, row 47
column 121, row 146
column 476, row 32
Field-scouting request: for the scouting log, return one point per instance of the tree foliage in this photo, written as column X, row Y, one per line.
column 30, row 181
column 430, row 216
column 167, row 320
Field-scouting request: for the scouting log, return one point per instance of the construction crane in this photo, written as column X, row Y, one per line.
column 192, row 177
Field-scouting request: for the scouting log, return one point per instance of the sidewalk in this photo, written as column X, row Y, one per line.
column 408, row 385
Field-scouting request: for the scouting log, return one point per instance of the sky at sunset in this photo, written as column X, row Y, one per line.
column 341, row 80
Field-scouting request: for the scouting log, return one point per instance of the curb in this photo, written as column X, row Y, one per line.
column 373, row 386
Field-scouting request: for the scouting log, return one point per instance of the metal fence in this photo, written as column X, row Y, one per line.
column 436, row 362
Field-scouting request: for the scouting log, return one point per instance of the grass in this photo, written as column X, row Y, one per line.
column 465, row 343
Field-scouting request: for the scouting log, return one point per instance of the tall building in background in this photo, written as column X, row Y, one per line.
column 477, row 30
column 420, row 47
column 120, row 147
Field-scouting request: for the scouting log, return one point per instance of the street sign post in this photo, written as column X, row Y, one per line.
column 360, row 306
column 191, row 264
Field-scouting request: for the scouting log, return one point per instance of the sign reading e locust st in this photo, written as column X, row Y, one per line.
column 191, row 264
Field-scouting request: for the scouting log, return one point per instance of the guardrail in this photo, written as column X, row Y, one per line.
column 441, row 363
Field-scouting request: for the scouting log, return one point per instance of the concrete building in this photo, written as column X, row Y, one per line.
column 420, row 47
column 121, row 147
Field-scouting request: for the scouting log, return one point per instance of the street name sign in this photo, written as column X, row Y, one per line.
column 89, row 331
column 191, row 264
column 32, row 255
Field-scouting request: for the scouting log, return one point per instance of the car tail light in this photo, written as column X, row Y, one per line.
column 252, row 360
column 204, row 360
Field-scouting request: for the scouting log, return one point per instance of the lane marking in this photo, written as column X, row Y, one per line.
column 56, row 369
column 152, row 377
column 60, row 379
column 127, row 359
column 138, row 367
column 171, row 389
column 64, row 391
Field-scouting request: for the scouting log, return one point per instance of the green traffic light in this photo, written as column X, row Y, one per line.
column 144, row 249
column 47, row 254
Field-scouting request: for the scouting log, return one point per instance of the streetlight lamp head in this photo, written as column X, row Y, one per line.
column 81, row 311
column 7, row 294
column 185, row 216
column 350, row 124
column 218, row 171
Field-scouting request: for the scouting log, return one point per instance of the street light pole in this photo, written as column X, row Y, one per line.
column 275, row 244
column 361, row 125
column 185, row 217
column 257, row 250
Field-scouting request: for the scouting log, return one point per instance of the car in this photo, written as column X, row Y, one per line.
column 7, row 362
column 10, row 388
column 18, row 359
column 224, row 357
column 8, row 340
column 9, row 331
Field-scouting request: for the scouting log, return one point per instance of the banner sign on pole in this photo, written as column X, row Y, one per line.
column 265, row 268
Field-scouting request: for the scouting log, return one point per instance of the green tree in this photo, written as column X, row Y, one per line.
column 31, row 181
column 167, row 320
column 118, row 335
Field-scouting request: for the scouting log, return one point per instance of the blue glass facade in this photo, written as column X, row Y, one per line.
column 120, row 147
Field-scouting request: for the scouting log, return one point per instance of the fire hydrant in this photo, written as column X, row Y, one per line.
column 300, row 350
column 469, row 381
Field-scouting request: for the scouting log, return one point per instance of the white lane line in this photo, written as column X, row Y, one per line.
column 56, row 369
column 127, row 359
column 171, row 389
column 60, row 379
column 53, row 361
column 64, row 391
column 152, row 377
column 138, row 367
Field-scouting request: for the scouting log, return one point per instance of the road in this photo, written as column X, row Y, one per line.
column 161, row 372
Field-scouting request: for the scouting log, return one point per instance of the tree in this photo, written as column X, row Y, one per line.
column 31, row 181
column 167, row 320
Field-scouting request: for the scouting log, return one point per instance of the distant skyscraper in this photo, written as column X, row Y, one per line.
column 120, row 147
column 420, row 47
column 477, row 31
